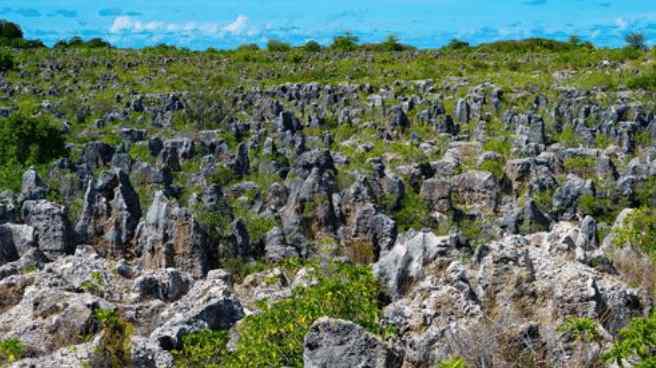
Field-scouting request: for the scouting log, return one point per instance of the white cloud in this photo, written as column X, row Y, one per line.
column 238, row 26
column 125, row 24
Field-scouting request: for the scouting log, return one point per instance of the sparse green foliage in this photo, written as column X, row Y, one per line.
column 636, row 40
column 11, row 350
column 10, row 30
column 6, row 61
column 345, row 42
column 582, row 329
column 639, row 231
column 455, row 362
column 583, row 166
column 274, row 337
column 114, row 350
column 312, row 46
column 645, row 81
column 278, row 46
column 413, row 213
column 26, row 141
column 636, row 344
column 457, row 44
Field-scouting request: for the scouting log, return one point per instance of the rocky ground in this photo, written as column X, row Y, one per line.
column 491, row 209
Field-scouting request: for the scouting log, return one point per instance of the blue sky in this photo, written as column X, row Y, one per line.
column 199, row 24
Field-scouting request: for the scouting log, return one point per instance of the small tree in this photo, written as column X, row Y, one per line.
column 248, row 47
column 278, row 46
column 457, row 44
column 312, row 46
column 392, row 43
column 10, row 30
column 346, row 42
column 636, row 40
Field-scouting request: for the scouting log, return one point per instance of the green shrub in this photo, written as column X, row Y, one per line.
column 582, row 166
column 114, row 349
column 29, row 140
column 248, row 47
column 6, row 61
column 312, row 46
column 274, row 337
column 206, row 348
column 24, row 142
column 456, row 44
column 455, row 362
column 639, row 231
column 495, row 167
column 583, row 329
column 345, row 42
column 11, row 350
column 645, row 81
column 636, row 40
column 391, row 43
column 636, row 344
column 278, row 46
column 568, row 137
column 413, row 213
column 77, row 42
column 10, row 31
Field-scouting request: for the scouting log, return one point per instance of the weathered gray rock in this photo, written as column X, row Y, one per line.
column 167, row 285
column 209, row 304
column 48, row 319
column 406, row 262
column 110, row 214
column 32, row 187
column 476, row 189
column 169, row 236
column 334, row 343
column 15, row 241
column 51, row 226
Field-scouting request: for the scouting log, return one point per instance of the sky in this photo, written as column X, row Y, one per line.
column 199, row 24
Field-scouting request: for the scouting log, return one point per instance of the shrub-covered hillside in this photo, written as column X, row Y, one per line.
column 327, row 205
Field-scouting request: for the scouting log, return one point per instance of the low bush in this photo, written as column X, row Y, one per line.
column 274, row 337
column 11, row 350
column 639, row 231
column 645, row 81
column 114, row 349
column 6, row 61
column 278, row 46
column 25, row 142
column 345, row 42
column 312, row 46
column 635, row 345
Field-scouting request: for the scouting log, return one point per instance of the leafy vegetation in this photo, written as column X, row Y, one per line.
column 26, row 141
column 636, row 344
column 639, row 231
column 6, row 61
column 11, row 350
column 581, row 329
column 274, row 337
column 114, row 350
column 455, row 362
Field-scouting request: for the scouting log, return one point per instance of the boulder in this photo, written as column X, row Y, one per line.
column 209, row 304
column 51, row 226
column 15, row 241
column 334, row 343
